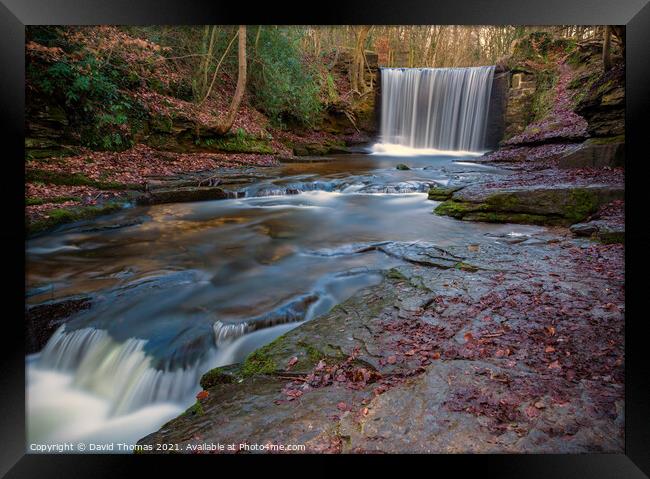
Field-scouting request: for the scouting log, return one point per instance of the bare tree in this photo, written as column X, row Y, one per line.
column 607, row 48
column 225, row 126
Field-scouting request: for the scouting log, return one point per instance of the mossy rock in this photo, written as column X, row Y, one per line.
column 61, row 216
column 215, row 377
column 394, row 273
column 260, row 361
column 611, row 237
column 442, row 193
column 182, row 195
column 76, row 179
column 32, row 201
column 402, row 166
column 543, row 206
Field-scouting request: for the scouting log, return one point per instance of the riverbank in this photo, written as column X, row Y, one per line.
column 512, row 344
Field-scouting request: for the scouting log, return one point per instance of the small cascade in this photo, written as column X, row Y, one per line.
column 120, row 373
column 442, row 109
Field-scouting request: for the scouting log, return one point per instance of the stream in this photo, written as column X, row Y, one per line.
column 178, row 289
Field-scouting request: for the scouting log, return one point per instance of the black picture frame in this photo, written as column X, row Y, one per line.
column 635, row 14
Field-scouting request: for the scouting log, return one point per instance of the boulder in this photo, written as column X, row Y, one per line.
column 44, row 319
column 544, row 205
column 442, row 193
column 596, row 153
column 603, row 231
column 183, row 194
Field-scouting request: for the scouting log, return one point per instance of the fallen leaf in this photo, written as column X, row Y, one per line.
column 292, row 362
column 468, row 337
column 554, row 365
column 342, row 406
column 202, row 395
column 549, row 349
column 392, row 359
column 532, row 412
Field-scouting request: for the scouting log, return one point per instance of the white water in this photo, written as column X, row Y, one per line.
column 434, row 110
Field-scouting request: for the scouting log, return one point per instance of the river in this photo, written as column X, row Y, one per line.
column 178, row 289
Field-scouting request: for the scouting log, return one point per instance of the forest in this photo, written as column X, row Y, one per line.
column 326, row 239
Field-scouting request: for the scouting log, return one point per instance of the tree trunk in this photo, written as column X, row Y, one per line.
column 357, row 63
column 607, row 51
column 225, row 126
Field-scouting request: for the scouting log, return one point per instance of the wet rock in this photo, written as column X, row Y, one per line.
column 459, row 361
column 603, row 104
column 544, row 205
column 43, row 319
column 596, row 153
column 422, row 416
column 600, row 230
column 402, row 166
column 183, row 194
column 584, row 229
column 442, row 193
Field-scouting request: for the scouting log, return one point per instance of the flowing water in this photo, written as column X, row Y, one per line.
column 434, row 109
column 178, row 289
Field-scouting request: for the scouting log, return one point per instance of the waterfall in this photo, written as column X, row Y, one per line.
column 121, row 373
column 435, row 108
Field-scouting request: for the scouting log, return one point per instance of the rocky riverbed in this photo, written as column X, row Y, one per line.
column 506, row 343
column 513, row 344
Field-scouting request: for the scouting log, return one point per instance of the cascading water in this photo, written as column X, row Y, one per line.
column 442, row 109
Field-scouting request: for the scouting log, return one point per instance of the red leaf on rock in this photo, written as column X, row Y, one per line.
column 532, row 411
column 555, row 365
column 202, row 395
column 292, row 362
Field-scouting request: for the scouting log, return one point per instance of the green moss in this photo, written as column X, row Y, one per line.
column 606, row 140
column 195, row 409
column 313, row 354
column 466, row 267
column 261, row 361
column 31, row 201
column 520, row 218
column 457, row 209
column 611, row 237
column 162, row 123
column 394, row 273
column 214, row 377
column 68, row 215
column 75, row 179
column 239, row 142
column 581, row 204
column 442, row 193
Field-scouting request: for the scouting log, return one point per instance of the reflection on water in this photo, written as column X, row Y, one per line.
column 180, row 288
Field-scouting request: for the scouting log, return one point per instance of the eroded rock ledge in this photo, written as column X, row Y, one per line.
column 542, row 205
column 523, row 353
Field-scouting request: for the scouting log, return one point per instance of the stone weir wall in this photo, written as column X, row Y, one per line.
column 499, row 99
